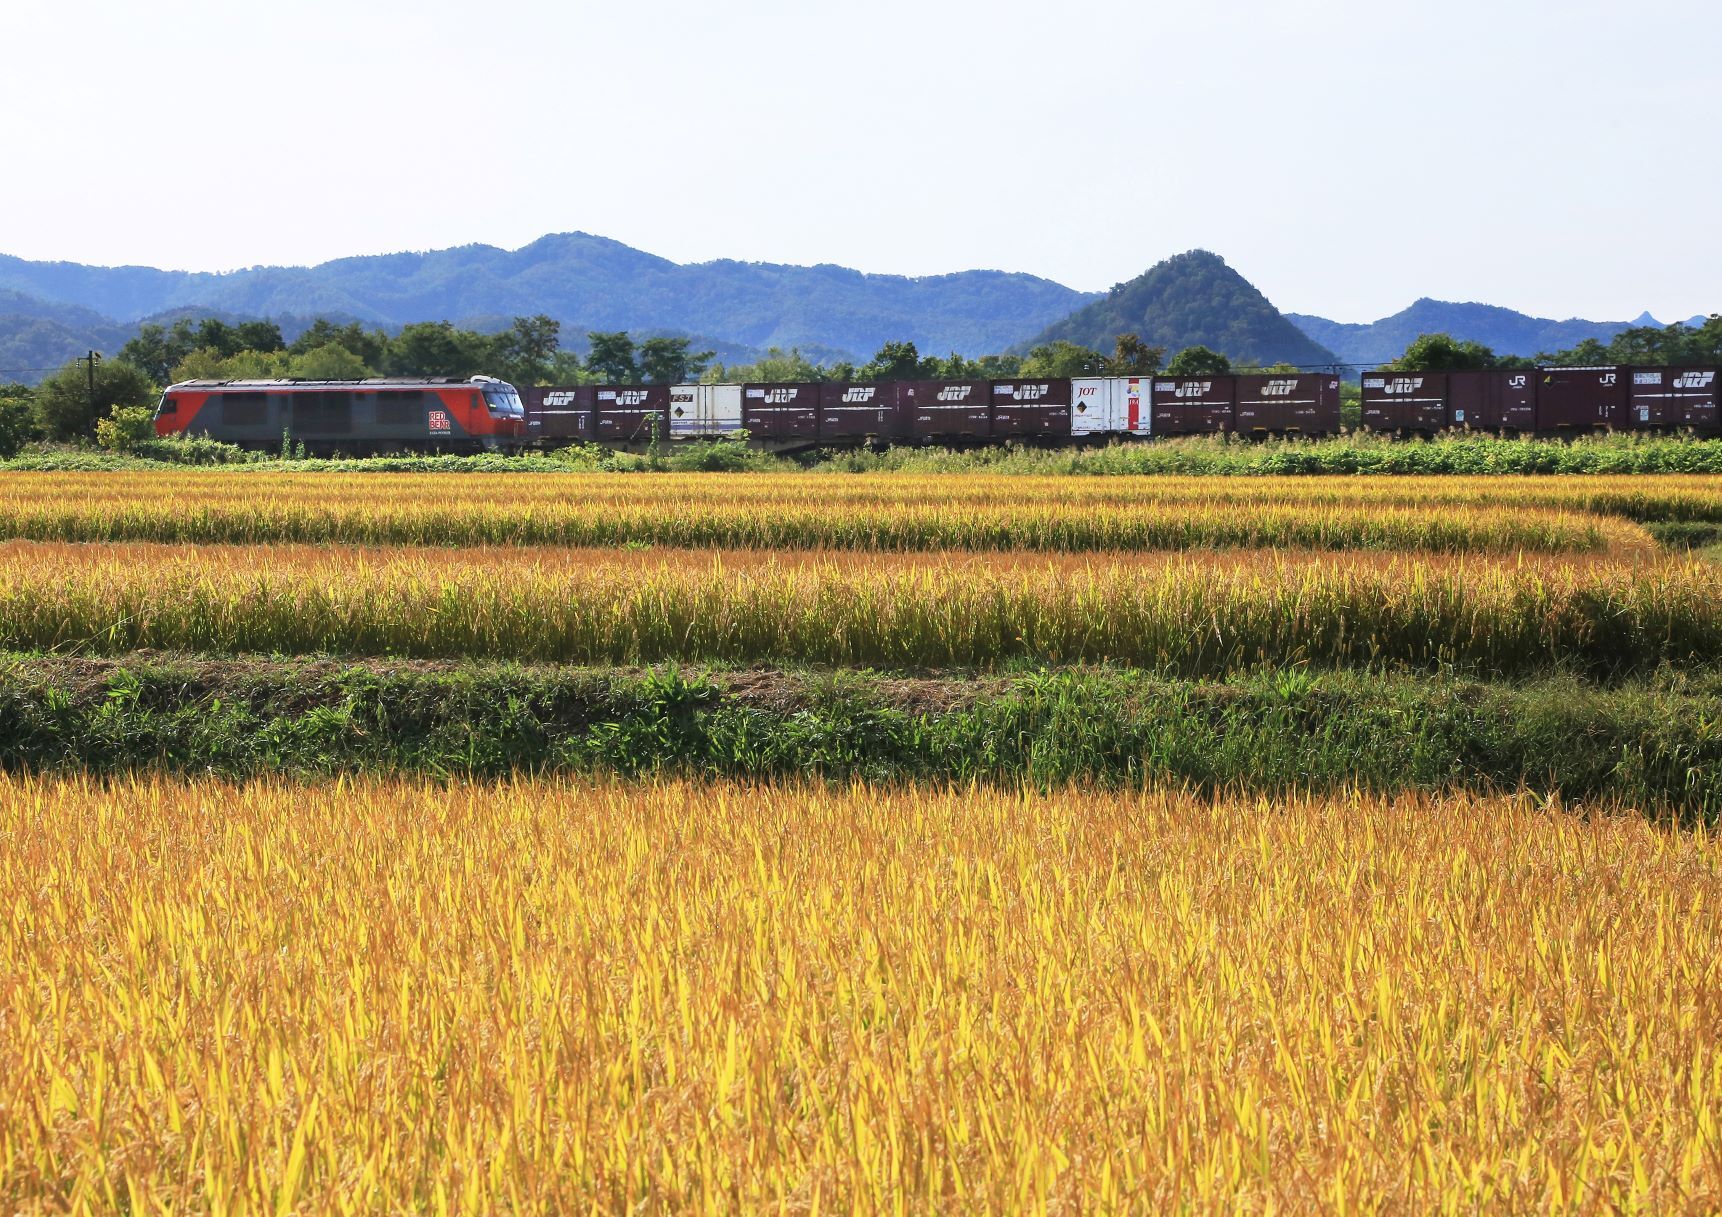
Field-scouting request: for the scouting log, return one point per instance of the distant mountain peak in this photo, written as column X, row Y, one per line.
column 1502, row 330
column 1191, row 299
column 589, row 282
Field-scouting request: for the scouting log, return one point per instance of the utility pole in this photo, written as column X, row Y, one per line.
column 90, row 363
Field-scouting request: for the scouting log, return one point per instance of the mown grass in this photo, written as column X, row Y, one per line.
column 564, row 997
column 1655, row 743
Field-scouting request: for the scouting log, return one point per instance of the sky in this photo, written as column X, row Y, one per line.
column 1347, row 156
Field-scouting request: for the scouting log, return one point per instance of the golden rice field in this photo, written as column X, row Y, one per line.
column 388, row 997
column 1189, row 613
column 884, row 512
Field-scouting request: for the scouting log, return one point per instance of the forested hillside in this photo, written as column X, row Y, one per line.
column 1194, row 299
column 1501, row 329
column 588, row 283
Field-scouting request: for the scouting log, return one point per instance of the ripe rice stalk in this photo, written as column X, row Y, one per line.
column 1187, row 614
column 884, row 512
column 567, row 997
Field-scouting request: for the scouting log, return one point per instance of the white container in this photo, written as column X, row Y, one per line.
column 1109, row 405
column 704, row 411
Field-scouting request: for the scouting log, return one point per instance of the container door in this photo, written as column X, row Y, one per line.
column 722, row 408
column 1091, row 407
column 1698, row 392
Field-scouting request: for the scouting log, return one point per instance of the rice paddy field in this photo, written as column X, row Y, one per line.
column 887, row 842
column 390, row 997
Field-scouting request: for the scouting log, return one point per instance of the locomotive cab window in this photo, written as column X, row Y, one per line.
column 168, row 405
column 504, row 403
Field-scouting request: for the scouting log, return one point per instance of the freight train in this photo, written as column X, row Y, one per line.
column 487, row 414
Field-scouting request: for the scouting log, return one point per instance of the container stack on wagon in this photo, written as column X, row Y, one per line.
column 1031, row 409
column 1194, row 405
column 1294, row 403
column 781, row 412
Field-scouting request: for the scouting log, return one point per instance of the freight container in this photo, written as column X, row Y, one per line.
column 1031, row 407
column 628, row 414
column 780, row 412
column 1673, row 398
column 935, row 409
column 1493, row 400
column 1109, row 405
column 704, row 411
column 1405, row 401
column 851, row 412
column 1303, row 402
column 1581, row 399
column 1194, row 405
column 559, row 412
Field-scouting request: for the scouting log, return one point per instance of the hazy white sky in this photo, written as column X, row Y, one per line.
column 1346, row 155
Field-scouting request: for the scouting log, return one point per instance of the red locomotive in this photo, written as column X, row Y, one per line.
column 417, row 414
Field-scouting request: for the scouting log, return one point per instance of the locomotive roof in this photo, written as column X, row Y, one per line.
column 373, row 382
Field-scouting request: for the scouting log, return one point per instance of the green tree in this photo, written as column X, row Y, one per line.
column 330, row 362
column 1589, row 352
column 1061, row 358
column 436, row 348
column 371, row 346
column 1133, row 357
column 777, row 367
column 611, row 359
column 63, row 405
column 524, row 350
column 17, row 418
column 1198, row 361
column 1443, row 353
column 897, row 361
column 157, row 350
column 259, row 336
column 214, row 334
column 567, row 368
column 667, row 361
column 206, row 363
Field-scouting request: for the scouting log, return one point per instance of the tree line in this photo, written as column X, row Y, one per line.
column 1677, row 345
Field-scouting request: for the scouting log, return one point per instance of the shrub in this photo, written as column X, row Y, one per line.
column 125, row 428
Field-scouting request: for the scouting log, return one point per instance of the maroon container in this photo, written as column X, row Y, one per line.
column 1493, row 400
column 1673, row 398
column 1194, row 405
column 859, row 411
column 1302, row 402
column 960, row 409
column 782, row 411
column 624, row 413
column 1031, row 407
column 1405, row 401
column 1581, row 399
column 559, row 411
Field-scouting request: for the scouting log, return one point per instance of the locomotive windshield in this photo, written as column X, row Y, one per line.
column 504, row 402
